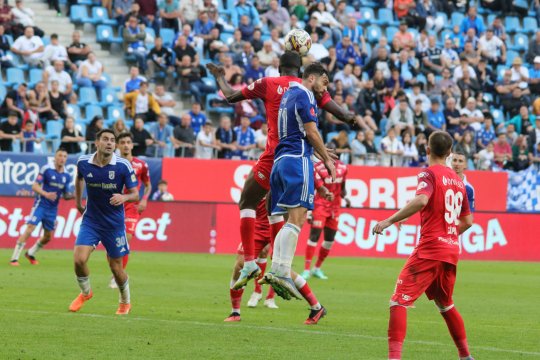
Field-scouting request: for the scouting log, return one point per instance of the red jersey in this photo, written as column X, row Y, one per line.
column 323, row 178
column 271, row 90
column 142, row 172
column 440, row 217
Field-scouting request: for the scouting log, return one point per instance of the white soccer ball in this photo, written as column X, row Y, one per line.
column 298, row 40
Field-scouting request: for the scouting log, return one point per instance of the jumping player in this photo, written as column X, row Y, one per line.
column 133, row 210
column 51, row 183
column 262, row 245
column 459, row 164
column 106, row 176
column 292, row 178
column 444, row 211
column 257, row 184
column 325, row 215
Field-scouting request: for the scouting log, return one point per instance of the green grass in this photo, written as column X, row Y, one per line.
column 180, row 301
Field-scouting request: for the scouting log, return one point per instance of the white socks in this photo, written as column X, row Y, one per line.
column 34, row 249
column 17, row 251
column 124, row 292
column 84, row 284
column 284, row 249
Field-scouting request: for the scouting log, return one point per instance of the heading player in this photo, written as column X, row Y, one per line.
column 459, row 164
column 51, row 183
column 132, row 210
column 257, row 184
column 431, row 268
column 292, row 179
column 325, row 215
column 106, row 176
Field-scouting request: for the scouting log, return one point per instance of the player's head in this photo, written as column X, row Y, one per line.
column 439, row 145
column 459, row 161
column 124, row 142
column 290, row 63
column 105, row 142
column 316, row 77
column 60, row 157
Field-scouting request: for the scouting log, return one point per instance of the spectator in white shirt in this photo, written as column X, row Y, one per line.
column 328, row 22
column 491, row 48
column 471, row 115
column 25, row 17
column 54, row 51
column 401, row 117
column 261, row 137
column 277, row 43
column 267, row 53
column 273, row 69
column 391, row 149
column 449, row 56
column 358, row 149
column 206, row 142
column 520, row 73
column 90, row 73
column 56, row 72
column 347, row 78
column 29, row 46
column 410, row 153
column 318, row 50
column 464, row 66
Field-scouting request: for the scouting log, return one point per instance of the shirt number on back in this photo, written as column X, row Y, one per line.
column 453, row 202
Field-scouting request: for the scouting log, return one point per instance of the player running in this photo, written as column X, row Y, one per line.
column 51, row 183
column 257, row 184
column 262, row 246
column 292, row 179
column 325, row 215
column 106, row 176
column 459, row 164
column 431, row 268
column 133, row 210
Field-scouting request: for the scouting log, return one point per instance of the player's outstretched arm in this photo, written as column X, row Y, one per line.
column 465, row 223
column 232, row 96
column 339, row 112
column 417, row 204
column 314, row 138
column 79, row 188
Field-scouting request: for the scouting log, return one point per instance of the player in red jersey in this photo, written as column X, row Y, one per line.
column 133, row 210
column 257, row 184
column 327, row 207
column 441, row 198
column 263, row 244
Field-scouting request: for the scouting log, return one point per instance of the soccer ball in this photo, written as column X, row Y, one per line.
column 298, row 40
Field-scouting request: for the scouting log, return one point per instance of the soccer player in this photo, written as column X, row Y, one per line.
column 431, row 268
column 51, row 183
column 325, row 215
column 133, row 210
column 459, row 164
column 262, row 245
column 257, row 184
column 292, row 179
column 106, row 176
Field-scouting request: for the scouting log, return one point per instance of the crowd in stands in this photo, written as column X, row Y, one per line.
column 405, row 67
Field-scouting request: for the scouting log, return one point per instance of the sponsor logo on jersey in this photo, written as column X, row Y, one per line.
column 454, row 182
column 251, row 86
column 280, row 90
column 111, row 175
column 421, row 186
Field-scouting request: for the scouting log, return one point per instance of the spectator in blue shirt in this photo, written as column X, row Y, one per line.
column 254, row 71
column 458, row 40
column 30, row 136
column 198, row 119
column 435, row 118
column 226, row 138
column 354, row 31
column 472, row 21
column 134, row 81
column 245, row 139
column 203, row 26
column 246, row 28
column 161, row 132
column 242, row 8
column 345, row 53
column 486, row 134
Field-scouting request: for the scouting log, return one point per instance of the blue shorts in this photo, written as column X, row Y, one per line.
column 46, row 216
column 114, row 241
column 292, row 184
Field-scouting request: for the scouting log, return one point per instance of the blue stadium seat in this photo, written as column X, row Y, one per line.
column 54, row 129
column 377, row 141
column 390, row 32
column 227, row 38
column 457, row 18
column 488, row 98
column 75, row 111
column 520, row 43
column 367, row 16
column 445, row 34
column 374, row 33
column 500, row 70
column 93, row 110
column 105, row 35
column 36, row 75
column 511, row 24
column 209, row 81
column 530, row 25
column 510, row 56
column 490, row 18
column 109, row 97
column 443, row 15
column 168, row 36
column 216, row 109
column 87, row 96
column 46, row 40
column 14, row 76
column 79, row 15
column 100, row 16
column 114, row 113
column 385, row 17
column 498, row 115
column 3, row 92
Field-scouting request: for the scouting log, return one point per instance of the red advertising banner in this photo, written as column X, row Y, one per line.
column 214, row 228
column 368, row 187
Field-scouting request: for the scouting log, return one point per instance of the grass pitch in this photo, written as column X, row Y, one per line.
column 180, row 301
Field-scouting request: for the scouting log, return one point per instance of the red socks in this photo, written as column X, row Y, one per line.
column 262, row 266
column 236, row 299
column 323, row 253
column 247, row 230
column 455, row 324
column 271, row 293
column 275, row 227
column 308, row 295
column 125, row 261
column 310, row 251
column 397, row 329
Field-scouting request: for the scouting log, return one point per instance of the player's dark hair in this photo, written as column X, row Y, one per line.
column 104, row 131
column 163, row 182
column 124, row 135
column 316, row 69
column 458, row 151
column 440, row 143
column 63, row 149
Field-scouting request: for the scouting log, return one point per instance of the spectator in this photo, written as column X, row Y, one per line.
column 273, row 69
column 77, row 51
column 133, row 83
column 471, row 115
column 9, row 130
column 134, row 35
column 354, row 32
column 241, row 8
column 267, row 54
column 510, row 94
column 346, row 54
column 330, row 61
column 417, row 94
column 206, row 142
column 358, row 149
column 182, row 48
column 162, row 193
column 486, row 76
column 451, row 116
column 198, row 118
column 40, row 103
column 462, row 129
column 328, row 22
column 472, row 21
column 467, row 146
column 299, row 9
column 371, row 149
column 169, row 14
column 58, row 101
column 471, row 37
column 90, row 73
column 486, row 135
column 340, row 144
column 24, row 17
column 189, row 9
column 520, row 73
column 407, row 67
column 183, row 138
column 341, row 13
column 213, row 45
column 492, row 48
column 466, row 83
column 160, row 61
column 220, row 22
column 261, row 138
column 502, row 151
column 57, row 73
column 277, row 42
column 119, row 127
column 202, row 26
column 391, row 149
column 401, row 118
column 5, row 61
column 469, row 53
column 435, row 118
column 141, row 137
column 29, row 46
column 498, row 28
column 277, row 17
column 432, row 58
column 449, row 56
column 92, row 129
column 226, row 138
column 191, row 79
column 142, row 104
column 421, row 147
column 161, row 132
column 427, row 10
column 462, row 68
column 149, row 9
column 380, row 62
column 121, row 10
column 368, row 102
column 410, row 153
column 166, row 104
column 486, row 157
column 237, row 45
column 403, row 37
column 534, row 137
column 255, row 70
column 534, row 77
column 419, row 117
column 511, row 134
column 6, row 15
column 245, row 138
column 54, row 51
column 71, row 137
column 349, row 81
column 314, row 27
column 15, row 101
column 522, row 122
column 406, row 10
column 534, row 48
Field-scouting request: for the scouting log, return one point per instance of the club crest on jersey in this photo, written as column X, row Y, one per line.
column 111, row 175
column 312, row 111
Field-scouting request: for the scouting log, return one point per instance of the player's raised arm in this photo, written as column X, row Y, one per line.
column 414, row 206
column 333, row 108
column 232, row 96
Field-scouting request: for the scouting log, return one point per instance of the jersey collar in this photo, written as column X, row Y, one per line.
column 112, row 162
column 297, row 84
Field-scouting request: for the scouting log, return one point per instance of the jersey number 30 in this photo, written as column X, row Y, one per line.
column 453, row 202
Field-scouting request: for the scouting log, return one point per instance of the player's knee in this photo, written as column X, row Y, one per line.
column 442, row 307
column 79, row 262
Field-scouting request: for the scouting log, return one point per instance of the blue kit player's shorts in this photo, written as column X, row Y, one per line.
column 114, row 241
column 46, row 216
column 292, row 184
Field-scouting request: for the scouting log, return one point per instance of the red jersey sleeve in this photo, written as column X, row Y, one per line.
column 465, row 207
column 318, row 179
column 256, row 90
column 426, row 183
column 325, row 99
column 145, row 173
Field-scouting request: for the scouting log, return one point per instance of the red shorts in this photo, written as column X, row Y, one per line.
column 263, row 169
column 131, row 215
column 259, row 246
column 325, row 217
column 418, row 276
